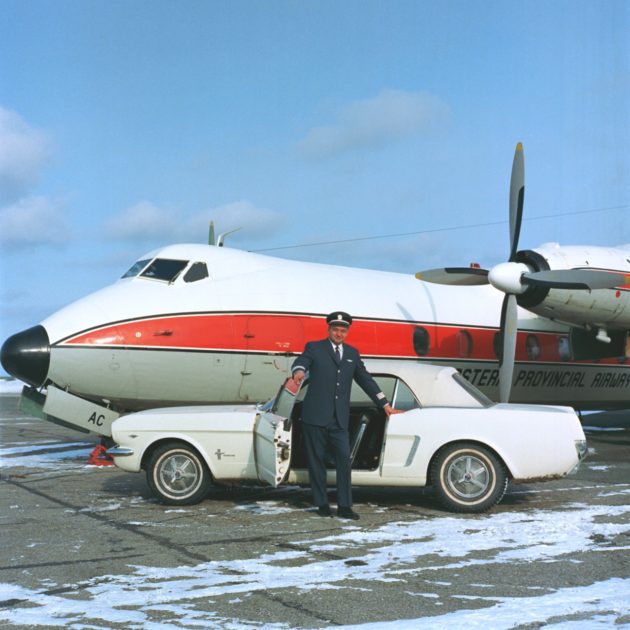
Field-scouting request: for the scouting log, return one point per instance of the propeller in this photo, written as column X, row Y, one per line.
column 460, row 276
column 509, row 317
column 503, row 274
column 513, row 278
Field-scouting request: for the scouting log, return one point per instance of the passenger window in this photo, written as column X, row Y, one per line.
column 136, row 268
column 164, row 269
column 497, row 346
column 532, row 347
column 464, row 344
column 421, row 341
column 403, row 398
column 197, row 271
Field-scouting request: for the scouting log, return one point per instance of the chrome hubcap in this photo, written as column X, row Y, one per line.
column 468, row 476
column 179, row 474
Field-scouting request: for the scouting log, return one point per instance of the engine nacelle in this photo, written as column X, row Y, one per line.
column 533, row 296
column 600, row 310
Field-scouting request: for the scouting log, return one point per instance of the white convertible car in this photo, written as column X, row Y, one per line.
column 450, row 437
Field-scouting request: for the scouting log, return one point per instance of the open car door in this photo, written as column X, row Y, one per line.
column 272, row 437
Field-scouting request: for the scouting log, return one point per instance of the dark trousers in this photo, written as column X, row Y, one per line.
column 316, row 440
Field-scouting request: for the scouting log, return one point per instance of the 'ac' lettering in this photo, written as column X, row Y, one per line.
column 97, row 420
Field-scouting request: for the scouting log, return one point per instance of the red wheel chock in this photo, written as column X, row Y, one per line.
column 99, row 457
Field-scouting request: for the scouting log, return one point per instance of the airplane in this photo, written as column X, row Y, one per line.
column 198, row 324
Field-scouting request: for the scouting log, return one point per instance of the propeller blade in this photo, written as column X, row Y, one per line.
column 588, row 279
column 507, row 346
column 461, row 276
column 517, row 198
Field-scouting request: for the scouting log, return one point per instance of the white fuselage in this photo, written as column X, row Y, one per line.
column 233, row 335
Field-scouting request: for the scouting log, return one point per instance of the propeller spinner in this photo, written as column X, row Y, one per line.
column 513, row 278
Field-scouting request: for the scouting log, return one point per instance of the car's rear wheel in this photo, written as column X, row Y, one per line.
column 468, row 477
column 177, row 475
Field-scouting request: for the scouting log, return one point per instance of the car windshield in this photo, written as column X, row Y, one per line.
column 165, row 269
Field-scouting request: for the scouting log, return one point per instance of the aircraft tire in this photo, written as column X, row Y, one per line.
column 177, row 475
column 468, row 477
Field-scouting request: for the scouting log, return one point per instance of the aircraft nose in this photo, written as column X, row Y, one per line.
column 26, row 355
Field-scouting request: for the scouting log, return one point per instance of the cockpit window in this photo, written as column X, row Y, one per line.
column 197, row 271
column 136, row 268
column 164, row 269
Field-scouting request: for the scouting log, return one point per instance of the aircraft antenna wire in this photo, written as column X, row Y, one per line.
column 434, row 230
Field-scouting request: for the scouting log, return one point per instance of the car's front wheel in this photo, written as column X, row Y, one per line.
column 177, row 475
column 468, row 477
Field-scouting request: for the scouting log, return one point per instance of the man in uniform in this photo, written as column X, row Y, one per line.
column 332, row 366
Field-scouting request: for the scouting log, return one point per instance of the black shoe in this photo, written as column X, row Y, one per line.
column 346, row 512
column 324, row 510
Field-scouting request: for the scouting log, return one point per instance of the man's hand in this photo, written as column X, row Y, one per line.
column 389, row 410
column 298, row 376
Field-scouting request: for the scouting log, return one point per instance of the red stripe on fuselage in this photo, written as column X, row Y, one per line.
column 287, row 333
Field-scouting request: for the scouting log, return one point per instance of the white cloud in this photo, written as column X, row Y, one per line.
column 148, row 222
column 32, row 221
column 374, row 123
column 143, row 221
column 24, row 151
column 26, row 219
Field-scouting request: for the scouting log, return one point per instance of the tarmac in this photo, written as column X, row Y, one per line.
column 88, row 547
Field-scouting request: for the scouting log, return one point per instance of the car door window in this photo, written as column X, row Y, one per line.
column 396, row 391
column 387, row 384
column 403, row 398
column 287, row 397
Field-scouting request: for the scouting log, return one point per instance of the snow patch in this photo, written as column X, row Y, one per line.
column 391, row 552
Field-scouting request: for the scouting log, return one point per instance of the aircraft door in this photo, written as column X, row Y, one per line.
column 271, row 342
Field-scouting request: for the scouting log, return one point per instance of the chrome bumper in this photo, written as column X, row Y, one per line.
column 119, row 451
column 582, row 449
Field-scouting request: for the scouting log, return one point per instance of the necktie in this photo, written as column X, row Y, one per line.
column 337, row 355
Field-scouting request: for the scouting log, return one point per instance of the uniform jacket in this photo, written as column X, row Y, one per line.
column 329, row 383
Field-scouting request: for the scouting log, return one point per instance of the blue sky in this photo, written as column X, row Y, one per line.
column 128, row 125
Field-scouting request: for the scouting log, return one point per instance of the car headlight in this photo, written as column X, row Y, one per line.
column 581, row 448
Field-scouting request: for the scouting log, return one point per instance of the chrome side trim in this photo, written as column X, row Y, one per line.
column 413, row 451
